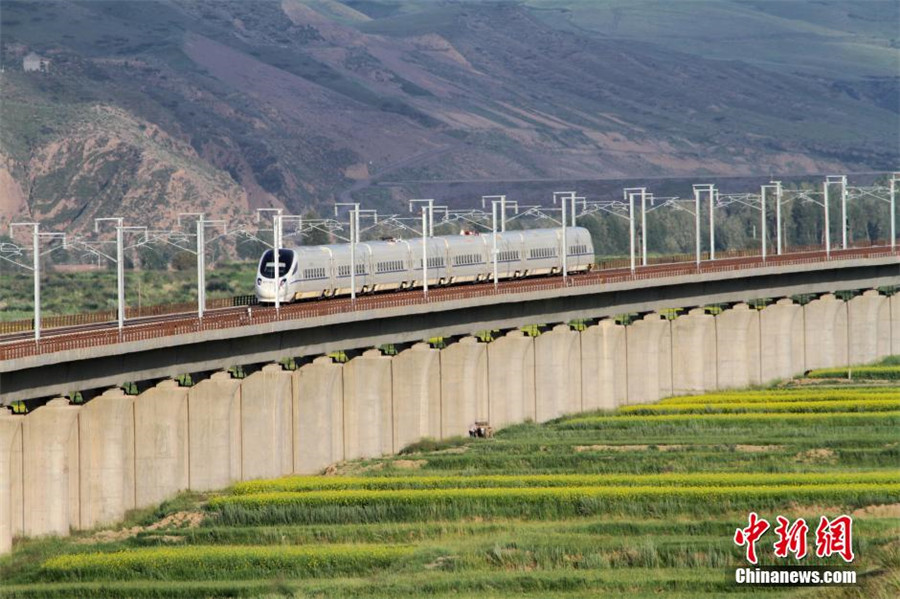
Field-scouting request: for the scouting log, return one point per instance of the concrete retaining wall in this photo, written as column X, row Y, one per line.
column 11, row 487
column 694, row 362
column 106, row 458
column 160, row 443
column 825, row 325
column 214, row 430
column 368, row 421
column 464, row 386
column 267, row 424
column 557, row 373
column 318, row 415
column 737, row 347
column 649, row 343
column 64, row 467
column 511, row 379
column 50, row 469
column 603, row 360
column 416, row 391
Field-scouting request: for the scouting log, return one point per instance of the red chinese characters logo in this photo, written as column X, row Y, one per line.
column 835, row 536
column 748, row 536
column 832, row 537
column 791, row 539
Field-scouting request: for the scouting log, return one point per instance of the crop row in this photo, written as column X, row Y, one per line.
column 527, row 494
column 301, row 484
column 890, row 373
column 781, row 417
column 231, row 561
column 857, row 405
column 353, row 505
column 789, row 395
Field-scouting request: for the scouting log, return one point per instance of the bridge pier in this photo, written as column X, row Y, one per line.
column 737, row 347
column 511, row 379
column 215, row 432
column 868, row 341
column 266, row 424
column 318, row 415
column 694, row 353
column 892, row 320
column 649, row 342
column 781, row 341
column 106, row 458
column 825, row 332
column 464, row 386
column 160, row 443
column 11, row 481
column 603, row 366
column 50, row 469
column 416, row 391
column 557, row 367
column 368, row 417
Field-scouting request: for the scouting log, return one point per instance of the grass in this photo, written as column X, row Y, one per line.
column 633, row 505
column 219, row 561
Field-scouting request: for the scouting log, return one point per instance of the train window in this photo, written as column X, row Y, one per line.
column 314, row 273
column 577, row 250
column 267, row 268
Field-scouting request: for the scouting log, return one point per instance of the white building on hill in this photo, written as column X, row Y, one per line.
column 33, row 62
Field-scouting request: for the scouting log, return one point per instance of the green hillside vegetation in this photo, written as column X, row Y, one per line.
column 590, row 505
column 836, row 39
column 164, row 106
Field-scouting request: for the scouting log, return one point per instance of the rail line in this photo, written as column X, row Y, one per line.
column 107, row 333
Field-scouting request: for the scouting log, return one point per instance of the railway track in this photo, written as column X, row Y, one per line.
column 21, row 344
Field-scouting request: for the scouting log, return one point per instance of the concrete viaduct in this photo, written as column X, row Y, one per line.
column 66, row 467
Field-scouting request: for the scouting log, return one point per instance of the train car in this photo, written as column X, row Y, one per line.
column 324, row 271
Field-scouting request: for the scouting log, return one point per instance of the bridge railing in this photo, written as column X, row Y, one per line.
column 236, row 317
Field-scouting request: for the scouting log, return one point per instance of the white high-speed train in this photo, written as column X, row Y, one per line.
column 324, row 270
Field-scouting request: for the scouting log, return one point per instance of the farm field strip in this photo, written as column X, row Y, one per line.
column 787, row 395
column 632, row 582
column 318, row 483
column 601, row 532
column 241, row 561
column 833, row 405
column 889, row 372
column 334, row 507
column 891, row 418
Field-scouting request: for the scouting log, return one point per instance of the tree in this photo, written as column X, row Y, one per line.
column 314, row 236
column 184, row 261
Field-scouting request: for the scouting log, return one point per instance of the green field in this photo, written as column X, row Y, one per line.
column 640, row 502
column 93, row 291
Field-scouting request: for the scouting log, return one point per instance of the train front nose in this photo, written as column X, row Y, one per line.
column 269, row 272
column 265, row 289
